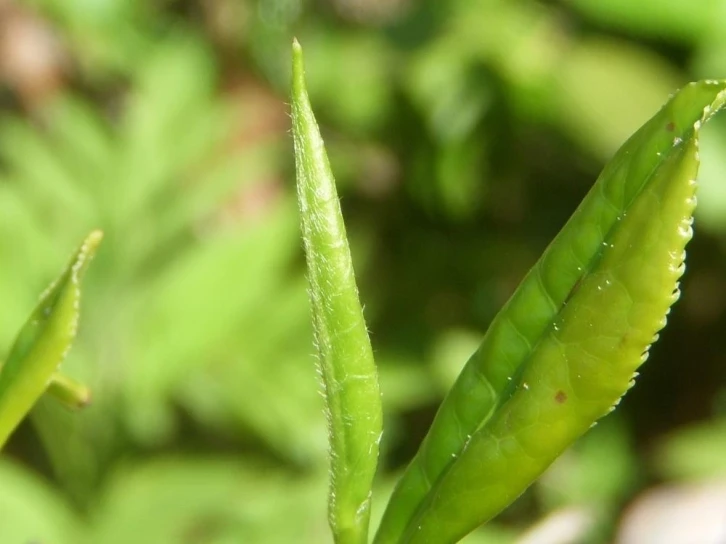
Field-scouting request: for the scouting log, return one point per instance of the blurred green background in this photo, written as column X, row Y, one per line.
column 463, row 134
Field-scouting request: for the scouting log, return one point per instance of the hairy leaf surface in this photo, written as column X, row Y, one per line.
column 349, row 374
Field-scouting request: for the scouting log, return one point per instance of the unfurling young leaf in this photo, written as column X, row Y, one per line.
column 566, row 346
column 349, row 376
column 43, row 343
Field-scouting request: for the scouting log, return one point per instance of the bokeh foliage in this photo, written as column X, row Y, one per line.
column 462, row 135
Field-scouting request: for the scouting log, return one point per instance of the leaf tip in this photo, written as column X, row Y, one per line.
column 298, row 68
column 87, row 252
column 93, row 240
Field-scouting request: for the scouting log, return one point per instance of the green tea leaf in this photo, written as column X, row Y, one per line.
column 565, row 347
column 348, row 372
column 672, row 20
column 43, row 342
column 31, row 511
column 694, row 452
column 205, row 501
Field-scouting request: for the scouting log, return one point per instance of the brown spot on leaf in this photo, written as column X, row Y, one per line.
column 670, row 127
column 560, row 397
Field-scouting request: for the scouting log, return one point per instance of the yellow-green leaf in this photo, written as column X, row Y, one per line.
column 43, row 342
